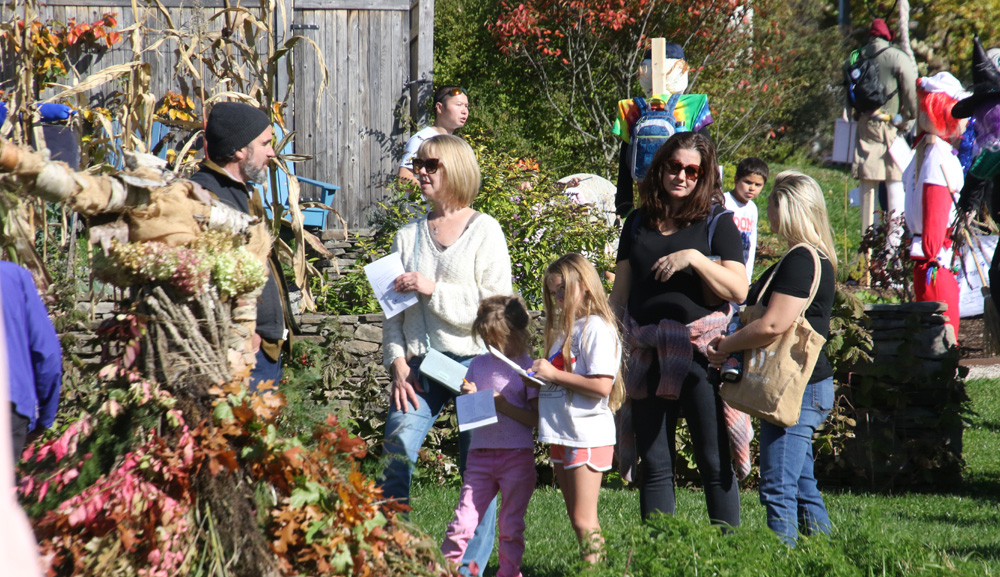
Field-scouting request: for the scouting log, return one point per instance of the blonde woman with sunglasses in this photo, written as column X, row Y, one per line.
column 454, row 257
column 680, row 264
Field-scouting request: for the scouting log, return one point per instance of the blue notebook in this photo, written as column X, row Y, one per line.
column 444, row 369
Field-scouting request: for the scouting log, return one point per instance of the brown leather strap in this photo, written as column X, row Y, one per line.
column 272, row 348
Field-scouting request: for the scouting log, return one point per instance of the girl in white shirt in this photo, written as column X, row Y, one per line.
column 576, row 407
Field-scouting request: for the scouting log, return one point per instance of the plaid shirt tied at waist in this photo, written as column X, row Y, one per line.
column 672, row 345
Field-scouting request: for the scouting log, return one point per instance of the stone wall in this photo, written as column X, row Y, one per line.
column 345, row 250
column 906, row 404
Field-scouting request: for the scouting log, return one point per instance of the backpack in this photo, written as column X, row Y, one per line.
column 865, row 90
column 649, row 132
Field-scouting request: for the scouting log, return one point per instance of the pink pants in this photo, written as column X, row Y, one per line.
column 487, row 471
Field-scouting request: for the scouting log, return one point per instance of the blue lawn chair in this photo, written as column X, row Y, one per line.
column 313, row 217
column 161, row 139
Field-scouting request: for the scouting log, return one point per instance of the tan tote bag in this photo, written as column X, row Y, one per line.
column 775, row 376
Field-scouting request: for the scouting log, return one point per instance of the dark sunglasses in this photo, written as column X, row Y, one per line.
column 691, row 171
column 431, row 165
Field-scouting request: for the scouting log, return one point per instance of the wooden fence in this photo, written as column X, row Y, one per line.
column 378, row 55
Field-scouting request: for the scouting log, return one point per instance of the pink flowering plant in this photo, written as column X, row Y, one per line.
column 117, row 476
column 158, row 480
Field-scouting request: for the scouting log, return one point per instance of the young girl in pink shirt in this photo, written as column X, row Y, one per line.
column 501, row 456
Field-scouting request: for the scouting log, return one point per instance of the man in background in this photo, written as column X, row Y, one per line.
column 451, row 111
column 238, row 139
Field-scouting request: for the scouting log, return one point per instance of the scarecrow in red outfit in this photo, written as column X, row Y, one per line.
column 936, row 176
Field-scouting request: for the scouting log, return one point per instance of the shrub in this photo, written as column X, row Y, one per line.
column 193, row 478
column 540, row 222
column 890, row 269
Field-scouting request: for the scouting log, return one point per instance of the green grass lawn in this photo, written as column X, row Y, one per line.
column 955, row 533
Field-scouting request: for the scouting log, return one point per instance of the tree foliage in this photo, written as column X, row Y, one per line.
column 941, row 31
column 945, row 30
column 773, row 78
column 760, row 62
column 506, row 105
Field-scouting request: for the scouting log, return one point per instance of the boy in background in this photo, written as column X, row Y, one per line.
column 751, row 174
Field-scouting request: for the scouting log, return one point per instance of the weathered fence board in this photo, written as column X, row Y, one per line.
column 374, row 50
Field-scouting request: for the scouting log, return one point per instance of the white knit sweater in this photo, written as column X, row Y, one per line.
column 474, row 267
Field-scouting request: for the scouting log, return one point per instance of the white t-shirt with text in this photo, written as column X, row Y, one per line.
column 573, row 419
column 745, row 217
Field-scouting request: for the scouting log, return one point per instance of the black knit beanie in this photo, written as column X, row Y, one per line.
column 231, row 126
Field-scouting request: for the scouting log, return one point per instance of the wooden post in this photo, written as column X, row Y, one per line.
column 659, row 66
column 846, row 204
column 868, row 192
column 421, row 59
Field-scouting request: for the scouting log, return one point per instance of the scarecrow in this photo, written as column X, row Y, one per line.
column 983, row 107
column 691, row 113
column 935, row 178
column 184, row 256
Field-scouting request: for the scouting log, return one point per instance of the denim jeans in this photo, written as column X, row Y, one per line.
column 655, row 422
column 787, row 485
column 265, row 370
column 404, row 435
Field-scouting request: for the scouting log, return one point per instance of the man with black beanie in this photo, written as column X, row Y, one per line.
column 238, row 139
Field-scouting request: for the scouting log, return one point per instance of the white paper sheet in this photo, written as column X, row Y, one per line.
column 901, row 152
column 475, row 410
column 970, row 285
column 496, row 353
column 381, row 274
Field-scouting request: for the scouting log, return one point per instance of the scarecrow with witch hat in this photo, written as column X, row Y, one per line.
column 983, row 107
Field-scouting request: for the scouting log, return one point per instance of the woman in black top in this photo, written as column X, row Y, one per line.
column 680, row 263
column 797, row 212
